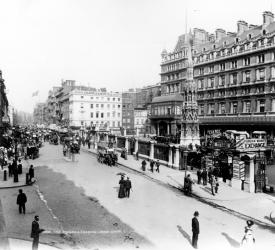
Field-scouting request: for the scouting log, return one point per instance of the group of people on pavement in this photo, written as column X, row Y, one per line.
column 210, row 176
column 125, row 186
column 152, row 163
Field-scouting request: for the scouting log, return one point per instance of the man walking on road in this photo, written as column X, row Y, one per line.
column 128, row 187
column 35, row 232
column 195, row 230
column 157, row 166
column 21, row 201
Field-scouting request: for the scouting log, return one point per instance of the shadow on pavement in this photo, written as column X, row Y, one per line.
column 231, row 241
column 206, row 189
column 184, row 234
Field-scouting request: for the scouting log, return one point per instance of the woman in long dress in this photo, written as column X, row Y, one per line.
column 121, row 192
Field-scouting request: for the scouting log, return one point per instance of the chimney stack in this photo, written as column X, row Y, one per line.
column 220, row 33
column 242, row 26
column 268, row 17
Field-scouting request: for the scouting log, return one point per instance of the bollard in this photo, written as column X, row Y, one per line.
column 27, row 178
column 5, row 175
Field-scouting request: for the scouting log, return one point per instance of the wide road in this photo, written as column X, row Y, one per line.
column 157, row 214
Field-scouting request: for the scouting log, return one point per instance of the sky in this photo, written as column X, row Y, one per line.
column 101, row 43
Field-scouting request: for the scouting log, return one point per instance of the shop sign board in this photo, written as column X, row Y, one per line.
column 251, row 145
column 236, row 169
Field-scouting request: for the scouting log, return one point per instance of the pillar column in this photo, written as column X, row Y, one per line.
column 251, row 176
column 168, row 128
column 170, row 161
column 177, row 158
column 97, row 137
column 115, row 142
column 126, row 144
column 137, row 132
column 136, row 146
column 107, row 138
column 157, row 129
column 151, row 150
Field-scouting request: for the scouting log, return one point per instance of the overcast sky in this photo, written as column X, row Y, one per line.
column 103, row 43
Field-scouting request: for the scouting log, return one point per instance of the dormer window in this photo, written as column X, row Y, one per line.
column 214, row 46
column 224, row 43
column 264, row 32
column 237, row 39
column 203, row 49
column 249, row 36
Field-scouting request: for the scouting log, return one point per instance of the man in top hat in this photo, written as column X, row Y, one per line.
column 128, row 187
column 35, row 232
column 195, row 229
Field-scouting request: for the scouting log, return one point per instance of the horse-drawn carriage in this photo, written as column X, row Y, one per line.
column 53, row 139
column 106, row 155
column 32, row 152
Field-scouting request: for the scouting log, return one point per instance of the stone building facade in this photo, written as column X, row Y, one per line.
column 235, row 77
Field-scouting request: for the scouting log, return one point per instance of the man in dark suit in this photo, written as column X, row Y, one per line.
column 128, row 187
column 21, row 201
column 195, row 230
column 35, row 232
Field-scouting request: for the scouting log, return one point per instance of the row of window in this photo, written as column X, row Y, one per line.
column 114, row 123
column 101, row 115
column 176, row 55
column 235, row 107
column 245, row 77
column 262, row 58
column 235, row 49
column 103, row 98
column 102, row 105
column 166, row 110
column 234, row 92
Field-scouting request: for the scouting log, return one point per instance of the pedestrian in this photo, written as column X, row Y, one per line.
column 195, row 229
column 188, row 186
column 20, row 171
column 36, row 231
column 209, row 174
column 31, row 172
column 216, row 185
column 128, row 187
column 10, row 170
column 248, row 238
column 152, row 163
column 121, row 191
column 21, row 201
column 143, row 165
column 204, row 177
column 157, row 166
column 212, row 182
column 199, row 174
column 137, row 155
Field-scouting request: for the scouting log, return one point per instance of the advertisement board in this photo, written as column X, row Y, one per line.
column 248, row 145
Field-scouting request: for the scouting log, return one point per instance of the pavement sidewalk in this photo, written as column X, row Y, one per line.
column 256, row 206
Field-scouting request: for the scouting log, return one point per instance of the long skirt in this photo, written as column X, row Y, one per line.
column 121, row 192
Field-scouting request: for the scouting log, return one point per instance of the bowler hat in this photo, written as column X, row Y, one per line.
column 196, row 213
